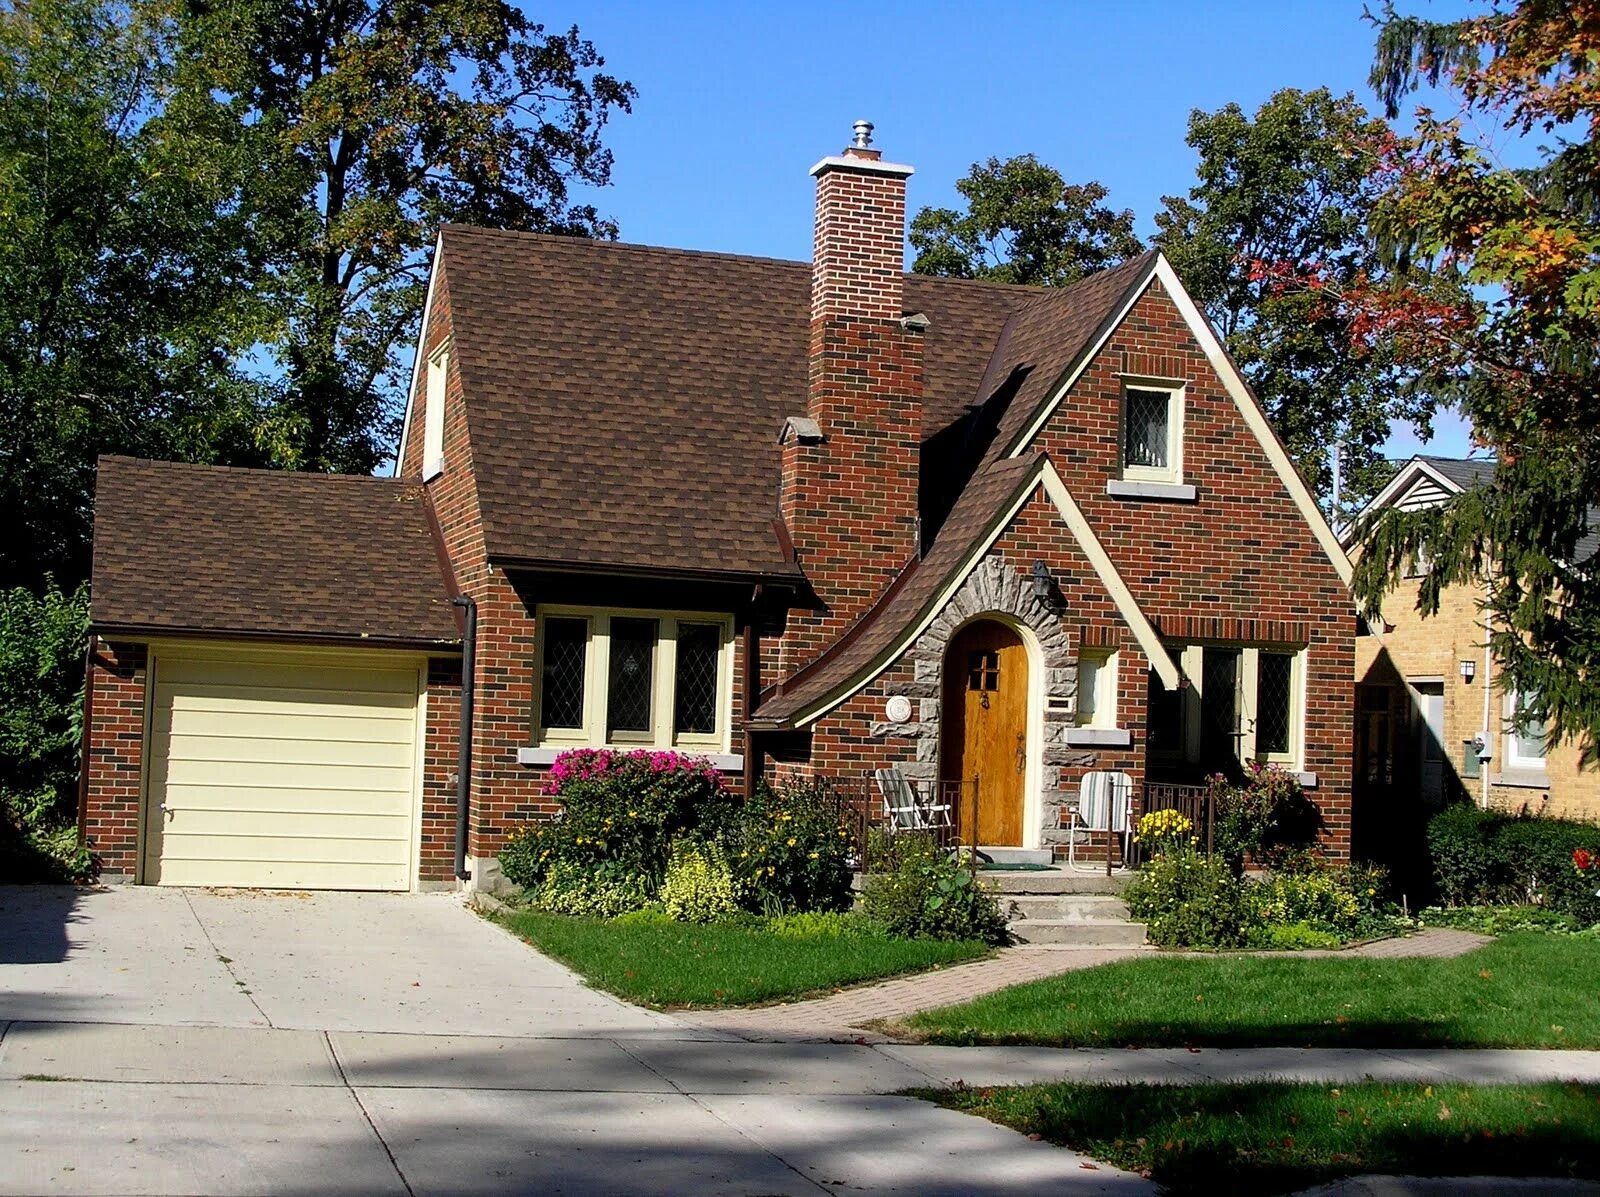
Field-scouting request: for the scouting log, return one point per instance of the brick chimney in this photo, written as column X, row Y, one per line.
column 849, row 491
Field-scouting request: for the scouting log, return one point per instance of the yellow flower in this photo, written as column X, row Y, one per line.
column 791, row 841
column 814, row 856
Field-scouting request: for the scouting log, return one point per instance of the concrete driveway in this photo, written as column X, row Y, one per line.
column 227, row 1042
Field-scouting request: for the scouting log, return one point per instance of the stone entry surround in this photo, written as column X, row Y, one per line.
column 995, row 587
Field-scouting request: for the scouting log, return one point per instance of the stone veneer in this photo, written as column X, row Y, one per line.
column 995, row 587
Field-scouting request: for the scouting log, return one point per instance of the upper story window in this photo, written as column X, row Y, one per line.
column 634, row 678
column 1527, row 738
column 433, row 415
column 1152, row 432
column 1097, row 688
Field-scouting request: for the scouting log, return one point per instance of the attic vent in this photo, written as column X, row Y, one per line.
column 915, row 322
column 800, row 430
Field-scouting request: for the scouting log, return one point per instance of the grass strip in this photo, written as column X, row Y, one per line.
column 690, row 965
column 1280, row 1138
column 1525, row 990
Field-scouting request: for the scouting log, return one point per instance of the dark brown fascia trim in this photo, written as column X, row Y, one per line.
column 447, row 568
column 142, row 632
column 793, row 578
column 785, row 542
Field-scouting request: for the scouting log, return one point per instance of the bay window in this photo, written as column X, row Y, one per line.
column 661, row 679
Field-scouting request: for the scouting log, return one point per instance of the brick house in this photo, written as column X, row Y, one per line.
column 1432, row 724
column 818, row 517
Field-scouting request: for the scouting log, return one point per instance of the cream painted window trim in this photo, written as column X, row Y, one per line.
column 1246, row 683
column 1171, row 474
column 433, row 412
column 418, row 358
column 723, row 762
column 663, row 699
column 1105, row 716
column 1516, row 763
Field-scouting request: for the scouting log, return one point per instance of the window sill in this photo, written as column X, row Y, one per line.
column 1522, row 779
column 1308, row 781
column 1171, row 492
column 726, row 762
column 1099, row 737
column 432, row 469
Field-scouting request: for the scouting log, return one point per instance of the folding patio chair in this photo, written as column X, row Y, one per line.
column 1105, row 806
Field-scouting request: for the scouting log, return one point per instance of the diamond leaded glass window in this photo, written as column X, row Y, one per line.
column 633, row 650
column 1147, row 425
column 695, row 687
column 1274, row 701
column 561, row 690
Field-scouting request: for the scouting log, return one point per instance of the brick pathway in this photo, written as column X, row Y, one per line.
column 840, row 1016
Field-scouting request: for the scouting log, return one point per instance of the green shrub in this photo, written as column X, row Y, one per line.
column 929, row 895
column 825, row 924
column 625, row 808
column 1262, row 818
column 601, row 891
column 1292, row 937
column 1501, row 920
column 42, row 639
column 698, row 887
column 1320, row 899
column 1487, row 857
column 1189, row 900
column 790, row 852
column 645, row 916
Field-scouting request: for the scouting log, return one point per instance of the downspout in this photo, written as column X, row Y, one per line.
column 1489, row 738
column 469, row 645
column 752, row 692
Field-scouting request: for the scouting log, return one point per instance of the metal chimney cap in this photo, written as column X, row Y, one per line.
column 863, row 139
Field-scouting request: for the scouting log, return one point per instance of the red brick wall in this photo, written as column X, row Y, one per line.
column 437, row 858
column 115, row 757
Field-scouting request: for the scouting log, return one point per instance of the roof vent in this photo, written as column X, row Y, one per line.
column 801, row 430
column 863, row 139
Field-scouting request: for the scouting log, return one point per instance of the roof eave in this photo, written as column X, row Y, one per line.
column 115, row 630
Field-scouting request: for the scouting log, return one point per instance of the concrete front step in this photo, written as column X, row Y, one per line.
column 1068, row 907
column 1054, row 881
column 1031, row 856
column 1079, row 933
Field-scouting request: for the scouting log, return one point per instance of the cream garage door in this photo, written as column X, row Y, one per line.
column 284, row 771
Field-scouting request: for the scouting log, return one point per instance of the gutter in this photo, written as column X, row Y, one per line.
column 469, row 647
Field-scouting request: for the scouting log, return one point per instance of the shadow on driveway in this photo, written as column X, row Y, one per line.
column 34, row 921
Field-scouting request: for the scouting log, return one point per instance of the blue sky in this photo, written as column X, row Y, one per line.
column 736, row 101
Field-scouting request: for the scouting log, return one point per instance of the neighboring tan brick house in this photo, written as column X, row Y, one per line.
column 800, row 518
column 1433, row 724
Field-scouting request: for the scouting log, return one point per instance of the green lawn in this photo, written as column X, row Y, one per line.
column 683, row 964
column 1525, row 990
column 1279, row 1138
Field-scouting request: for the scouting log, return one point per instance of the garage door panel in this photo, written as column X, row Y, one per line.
column 287, row 724
column 294, row 774
column 208, row 674
column 271, row 750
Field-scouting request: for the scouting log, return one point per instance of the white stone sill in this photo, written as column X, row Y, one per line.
column 1099, row 737
column 1521, row 779
column 726, row 762
column 1170, row 492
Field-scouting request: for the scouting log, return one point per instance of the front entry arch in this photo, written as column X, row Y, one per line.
column 984, row 729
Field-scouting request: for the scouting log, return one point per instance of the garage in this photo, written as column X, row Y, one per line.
column 279, row 769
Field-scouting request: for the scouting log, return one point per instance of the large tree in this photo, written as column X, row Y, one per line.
column 374, row 121
column 1293, row 185
column 124, row 285
column 1522, row 359
column 1024, row 223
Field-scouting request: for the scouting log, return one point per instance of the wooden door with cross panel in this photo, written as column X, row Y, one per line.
column 985, row 730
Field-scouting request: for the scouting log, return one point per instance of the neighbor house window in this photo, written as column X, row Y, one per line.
column 1526, row 736
column 1152, row 432
column 659, row 678
column 1097, row 688
column 433, row 415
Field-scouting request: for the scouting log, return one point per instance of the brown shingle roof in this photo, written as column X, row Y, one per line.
column 624, row 401
column 982, row 503
column 261, row 552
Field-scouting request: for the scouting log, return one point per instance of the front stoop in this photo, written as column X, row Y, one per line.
column 1064, row 908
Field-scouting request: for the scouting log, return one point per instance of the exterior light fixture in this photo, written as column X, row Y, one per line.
column 1469, row 670
column 1044, row 586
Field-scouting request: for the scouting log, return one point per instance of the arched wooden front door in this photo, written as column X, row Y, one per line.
column 985, row 728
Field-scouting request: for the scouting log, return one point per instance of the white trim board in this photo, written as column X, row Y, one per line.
column 1056, row 490
column 1232, row 381
column 1402, row 481
column 417, row 356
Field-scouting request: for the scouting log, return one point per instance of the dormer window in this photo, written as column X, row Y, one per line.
column 433, row 415
column 1152, row 432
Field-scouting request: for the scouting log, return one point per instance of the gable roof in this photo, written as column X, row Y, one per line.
column 206, row 549
column 1463, row 472
column 624, row 401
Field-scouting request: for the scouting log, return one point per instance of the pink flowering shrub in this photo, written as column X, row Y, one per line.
column 620, row 813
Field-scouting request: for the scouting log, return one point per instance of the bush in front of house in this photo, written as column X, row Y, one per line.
column 623, row 808
column 699, row 885
column 926, row 893
column 1263, row 817
column 1187, row 899
column 1319, row 899
column 1489, row 857
column 789, row 850
column 588, row 890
